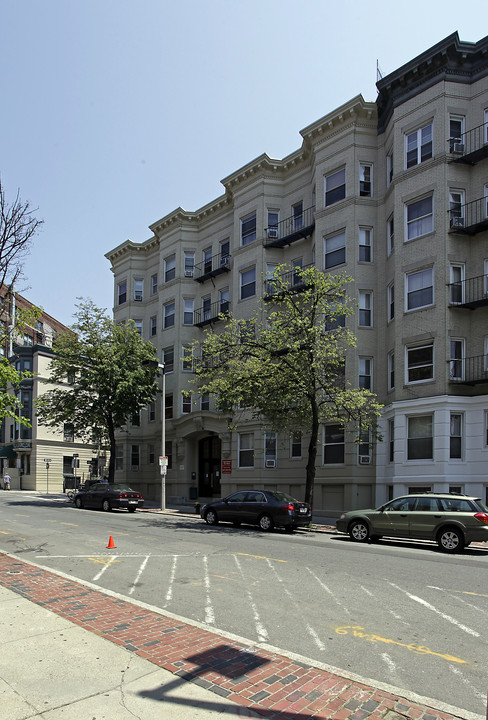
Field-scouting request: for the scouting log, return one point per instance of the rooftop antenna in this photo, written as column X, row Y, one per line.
column 379, row 74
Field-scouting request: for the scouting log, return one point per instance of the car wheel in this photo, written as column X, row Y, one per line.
column 359, row 531
column 132, row 509
column 78, row 503
column 211, row 517
column 106, row 506
column 450, row 540
column 266, row 523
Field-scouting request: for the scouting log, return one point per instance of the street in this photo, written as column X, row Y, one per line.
column 398, row 613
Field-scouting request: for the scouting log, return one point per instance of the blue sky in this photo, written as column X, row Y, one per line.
column 115, row 112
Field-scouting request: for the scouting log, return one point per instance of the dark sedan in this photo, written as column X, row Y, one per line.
column 106, row 497
column 266, row 508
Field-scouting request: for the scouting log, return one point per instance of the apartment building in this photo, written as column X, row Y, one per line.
column 394, row 193
column 36, row 457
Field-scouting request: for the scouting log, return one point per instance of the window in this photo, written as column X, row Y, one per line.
column 119, row 457
column 168, row 358
column 336, row 317
column 456, row 363
column 153, row 325
column 247, row 283
column 151, row 455
column 224, row 300
column 365, row 180
column 420, row 219
column 207, row 260
column 169, row 268
column 224, row 251
column 419, row 438
column 273, row 222
column 154, row 284
column 169, row 315
column 485, row 134
column 333, row 445
column 335, row 187
column 391, row 371
column 269, row 449
column 187, row 359
column 205, row 402
column 456, row 436
column 456, row 289
column 138, row 290
column 135, row 419
column 168, row 406
column 335, row 250
column 248, row 229
column 169, row 453
column 68, row 432
column 297, row 216
column 391, row 301
column 456, row 208
column 390, row 235
column 189, row 264
column 418, row 146
column 365, row 308
column 456, row 132
column 420, row 289
column 151, row 412
column 188, row 307
column 186, row 404
column 365, row 245
column 206, row 307
column 122, row 292
column 246, row 450
column 365, row 373
column 138, row 325
column 420, row 363
column 389, row 168
column 391, row 440
column 296, row 445
column 364, row 445
column 134, row 458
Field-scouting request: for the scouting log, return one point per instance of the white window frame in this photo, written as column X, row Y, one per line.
column 422, row 225
column 457, row 358
column 248, row 284
column 186, row 404
column 273, row 220
column 456, row 433
column 138, row 290
column 365, row 372
column 270, row 449
column 139, row 327
column 166, row 354
column 154, row 284
column 248, row 450
column 391, row 440
column 340, row 432
column 297, row 213
column 411, row 420
column 410, row 349
column 413, row 278
column 390, row 301
column 188, row 263
column 456, row 279
column 390, row 235
column 364, row 444
column 338, row 176
column 248, row 237
column 365, row 305
column 365, row 244
column 296, row 445
column 416, row 142
column 122, row 292
column 119, row 458
column 167, row 315
column 456, row 137
column 457, row 202
column 205, row 402
column 169, row 268
column 389, row 168
column 153, row 320
column 391, row 371
column 135, row 454
column 366, row 169
column 338, row 248
column 188, row 311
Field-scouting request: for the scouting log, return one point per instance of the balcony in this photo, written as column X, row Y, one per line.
column 471, row 147
column 291, row 229
column 216, row 265
column 211, row 313
column 288, row 282
column 471, row 293
column 469, row 219
column 470, row 371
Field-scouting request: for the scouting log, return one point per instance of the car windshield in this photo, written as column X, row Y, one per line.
column 282, row 497
column 121, row 488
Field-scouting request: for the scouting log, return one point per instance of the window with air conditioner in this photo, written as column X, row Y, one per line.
column 364, row 447
column 273, row 223
column 270, row 449
column 456, row 209
column 456, row 134
column 189, row 264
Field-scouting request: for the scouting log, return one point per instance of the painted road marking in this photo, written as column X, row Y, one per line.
column 261, row 557
column 261, row 631
column 462, row 592
column 106, row 565
column 72, row 524
column 358, row 631
column 139, row 573
column 103, row 560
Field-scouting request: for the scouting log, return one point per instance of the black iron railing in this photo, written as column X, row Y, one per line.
column 211, row 313
column 291, row 229
column 470, row 370
column 471, row 146
column 470, row 218
column 289, row 281
column 470, row 293
column 212, row 266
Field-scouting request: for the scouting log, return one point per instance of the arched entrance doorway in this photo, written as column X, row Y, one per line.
column 209, row 466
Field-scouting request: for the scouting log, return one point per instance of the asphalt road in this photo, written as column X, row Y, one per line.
column 396, row 612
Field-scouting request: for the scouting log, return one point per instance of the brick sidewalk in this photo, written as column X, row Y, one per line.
column 273, row 686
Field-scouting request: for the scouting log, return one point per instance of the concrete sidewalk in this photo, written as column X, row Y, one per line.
column 73, row 652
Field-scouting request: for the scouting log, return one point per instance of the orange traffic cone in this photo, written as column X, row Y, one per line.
column 111, row 543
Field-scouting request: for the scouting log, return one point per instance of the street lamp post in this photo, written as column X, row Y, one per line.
column 163, row 463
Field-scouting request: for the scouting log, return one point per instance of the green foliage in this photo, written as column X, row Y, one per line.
column 103, row 374
column 10, row 405
column 283, row 366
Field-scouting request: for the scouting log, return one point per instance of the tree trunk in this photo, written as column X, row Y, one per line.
column 111, row 463
column 312, row 454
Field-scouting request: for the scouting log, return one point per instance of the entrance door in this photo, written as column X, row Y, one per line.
column 209, row 466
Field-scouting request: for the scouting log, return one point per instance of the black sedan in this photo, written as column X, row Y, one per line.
column 265, row 508
column 108, row 496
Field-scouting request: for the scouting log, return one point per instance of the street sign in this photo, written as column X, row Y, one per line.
column 163, row 461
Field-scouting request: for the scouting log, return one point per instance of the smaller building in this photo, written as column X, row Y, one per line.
column 37, row 457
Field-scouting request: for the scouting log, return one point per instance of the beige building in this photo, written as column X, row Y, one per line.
column 36, row 457
column 393, row 193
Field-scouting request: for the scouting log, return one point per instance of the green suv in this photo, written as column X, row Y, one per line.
column 452, row 520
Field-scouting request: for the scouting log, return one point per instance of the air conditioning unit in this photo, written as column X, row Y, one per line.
column 225, row 261
column 364, row 460
column 458, row 148
column 189, row 272
column 272, row 232
column 270, row 463
column 138, row 298
column 134, row 468
column 457, row 222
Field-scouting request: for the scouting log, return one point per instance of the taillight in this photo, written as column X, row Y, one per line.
column 123, row 495
column 482, row 517
column 290, row 507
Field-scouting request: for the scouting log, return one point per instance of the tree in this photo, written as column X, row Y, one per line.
column 18, row 226
column 105, row 375
column 285, row 366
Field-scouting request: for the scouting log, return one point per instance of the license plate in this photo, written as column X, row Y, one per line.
column 132, row 502
column 303, row 510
